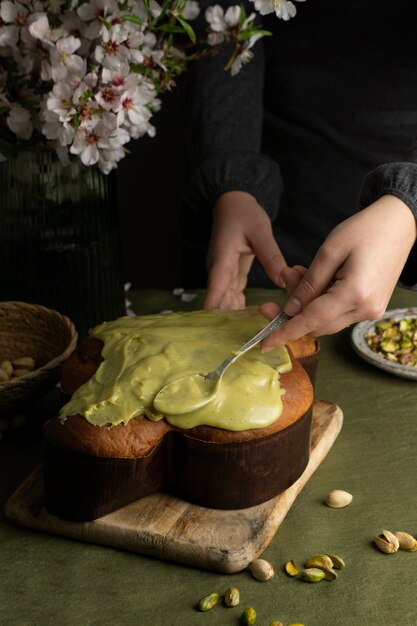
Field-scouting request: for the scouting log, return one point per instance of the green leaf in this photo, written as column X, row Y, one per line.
column 133, row 18
column 170, row 28
column 242, row 15
column 188, row 29
column 105, row 22
column 137, row 69
column 249, row 32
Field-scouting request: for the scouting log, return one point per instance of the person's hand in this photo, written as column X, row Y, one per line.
column 352, row 276
column 241, row 230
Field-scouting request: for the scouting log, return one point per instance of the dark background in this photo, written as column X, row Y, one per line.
column 150, row 184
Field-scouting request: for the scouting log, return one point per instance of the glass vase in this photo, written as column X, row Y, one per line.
column 60, row 240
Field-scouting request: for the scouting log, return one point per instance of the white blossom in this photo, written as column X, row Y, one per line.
column 19, row 121
column 244, row 56
column 84, row 77
column 284, row 9
column 191, row 10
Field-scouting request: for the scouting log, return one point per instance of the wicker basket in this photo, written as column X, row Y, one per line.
column 41, row 333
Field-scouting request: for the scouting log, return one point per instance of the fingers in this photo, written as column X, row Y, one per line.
column 228, row 299
column 227, row 281
column 328, row 313
column 292, row 276
column 314, row 282
column 269, row 310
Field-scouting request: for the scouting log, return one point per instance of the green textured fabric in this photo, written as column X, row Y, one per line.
column 51, row 580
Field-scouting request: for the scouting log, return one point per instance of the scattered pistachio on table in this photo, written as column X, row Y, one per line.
column 407, row 542
column 338, row 562
column 291, row 568
column 312, row 574
column 387, row 542
column 337, row 499
column 317, row 567
column 276, row 623
column 248, row 616
column 395, row 340
column 261, row 569
column 231, row 596
column 323, row 562
column 208, row 602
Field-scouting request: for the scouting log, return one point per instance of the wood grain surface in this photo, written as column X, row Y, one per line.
column 168, row 528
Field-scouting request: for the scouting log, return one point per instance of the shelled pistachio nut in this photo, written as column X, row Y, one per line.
column 337, row 499
column 248, row 616
column 319, row 560
column 231, row 596
column 20, row 371
column 407, row 542
column 7, row 367
column 312, row 574
column 291, row 568
column 323, row 562
column 208, row 602
column 395, row 340
column 25, row 361
column 261, row 570
column 276, row 623
column 338, row 562
column 387, row 542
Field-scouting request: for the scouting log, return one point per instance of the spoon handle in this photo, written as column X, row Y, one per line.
column 276, row 323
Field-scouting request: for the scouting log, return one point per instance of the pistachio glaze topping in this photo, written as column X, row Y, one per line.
column 143, row 354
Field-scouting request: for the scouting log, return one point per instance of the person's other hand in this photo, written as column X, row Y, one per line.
column 352, row 276
column 241, row 231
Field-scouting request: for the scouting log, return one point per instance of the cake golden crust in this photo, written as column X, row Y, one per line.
column 140, row 435
column 90, row 471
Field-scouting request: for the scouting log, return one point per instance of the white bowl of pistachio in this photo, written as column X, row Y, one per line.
column 390, row 342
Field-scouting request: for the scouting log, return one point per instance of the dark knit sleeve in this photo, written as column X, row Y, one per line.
column 224, row 118
column 400, row 180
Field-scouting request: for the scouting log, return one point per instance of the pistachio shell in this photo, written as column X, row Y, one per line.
column 21, row 371
column 406, row 541
column 319, row 560
column 261, row 570
column 7, row 367
column 25, row 361
column 338, row 562
column 387, row 542
column 338, row 499
column 323, row 562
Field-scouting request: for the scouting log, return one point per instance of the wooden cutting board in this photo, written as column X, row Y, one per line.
column 168, row 528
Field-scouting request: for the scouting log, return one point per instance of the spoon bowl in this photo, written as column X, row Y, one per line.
column 193, row 391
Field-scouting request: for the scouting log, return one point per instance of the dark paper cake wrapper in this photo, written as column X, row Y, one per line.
column 310, row 363
column 237, row 475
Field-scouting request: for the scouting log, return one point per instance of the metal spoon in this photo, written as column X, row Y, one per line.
column 193, row 391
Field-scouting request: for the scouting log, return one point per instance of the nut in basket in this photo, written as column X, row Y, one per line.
column 34, row 342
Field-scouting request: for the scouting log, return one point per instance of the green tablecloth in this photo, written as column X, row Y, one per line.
column 51, row 580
